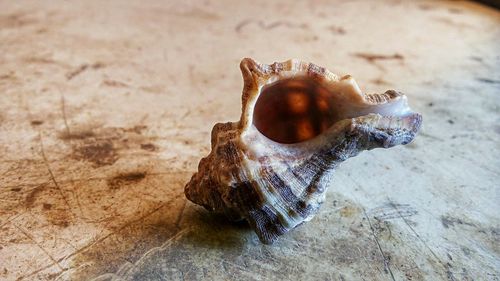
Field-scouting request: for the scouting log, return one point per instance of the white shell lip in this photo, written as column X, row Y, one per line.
column 391, row 105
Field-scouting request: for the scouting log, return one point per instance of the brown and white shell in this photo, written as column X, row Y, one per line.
column 299, row 121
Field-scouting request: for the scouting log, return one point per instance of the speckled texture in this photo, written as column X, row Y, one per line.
column 106, row 108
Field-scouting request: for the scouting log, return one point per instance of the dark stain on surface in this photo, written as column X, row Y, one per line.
column 149, row 147
column 466, row 251
column 100, row 153
column 114, row 83
column 101, row 145
column 449, row 221
column 379, row 81
column 98, row 65
column 138, row 129
column 455, row 11
column 268, row 26
column 457, row 24
column 79, row 70
column 54, row 212
column 336, row 29
column 497, row 129
column 41, row 60
column 16, row 20
column 375, row 59
column 349, row 211
column 488, row 80
column 76, row 135
column 8, row 76
column 426, row 7
column 371, row 58
column 58, row 217
column 476, row 58
column 449, row 272
column 72, row 74
column 125, row 179
column 36, row 122
column 31, row 197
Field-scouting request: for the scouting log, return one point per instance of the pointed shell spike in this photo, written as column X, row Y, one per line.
column 299, row 121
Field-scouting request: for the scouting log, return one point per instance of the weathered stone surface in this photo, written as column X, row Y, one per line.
column 107, row 106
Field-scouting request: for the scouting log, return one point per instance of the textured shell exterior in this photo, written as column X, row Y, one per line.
column 276, row 186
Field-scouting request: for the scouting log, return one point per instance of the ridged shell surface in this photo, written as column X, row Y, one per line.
column 275, row 178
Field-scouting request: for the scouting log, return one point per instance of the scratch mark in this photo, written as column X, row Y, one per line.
column 488, row 80
column 164, row 246
column 242, row 24
column 181, row 214
column 395, row 206
column 386, row 260
column 63, row 111
column 193, row 80
column 114, row 83
column 186, row 114
column 446, row 266
column 159, row 207
column 38, row 245
column 43, row 60
column 53, row 178
column 35, row 272
column 66, row 242
column 424, row 134
column 449, row 273
column 77, row 199
column 375, row 58
column 72, row 74
column 281, row 23
column 305, row 246
column 448, row 221
column 368, row 264
column 234, row 265
column 11, row 218
column 12, row 168
column 388, row 211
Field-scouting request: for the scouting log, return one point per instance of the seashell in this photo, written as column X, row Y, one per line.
column 299, row 121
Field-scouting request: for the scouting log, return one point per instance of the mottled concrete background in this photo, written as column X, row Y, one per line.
column 106, row 108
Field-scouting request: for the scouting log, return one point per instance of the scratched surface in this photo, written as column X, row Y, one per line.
column 106, row 108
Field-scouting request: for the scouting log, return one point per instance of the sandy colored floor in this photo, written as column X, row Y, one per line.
column 106, row 108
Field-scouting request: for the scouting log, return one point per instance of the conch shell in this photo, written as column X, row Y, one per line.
column 299, row 122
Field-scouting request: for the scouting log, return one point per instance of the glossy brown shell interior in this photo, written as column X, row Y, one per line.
column 293, row 110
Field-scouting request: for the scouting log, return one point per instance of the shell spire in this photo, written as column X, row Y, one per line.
column 299, row 121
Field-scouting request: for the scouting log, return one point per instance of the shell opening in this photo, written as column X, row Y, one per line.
column 296, row 109
column 293, row 110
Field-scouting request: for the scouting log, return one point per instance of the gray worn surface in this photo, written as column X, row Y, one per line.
column 106, row 108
